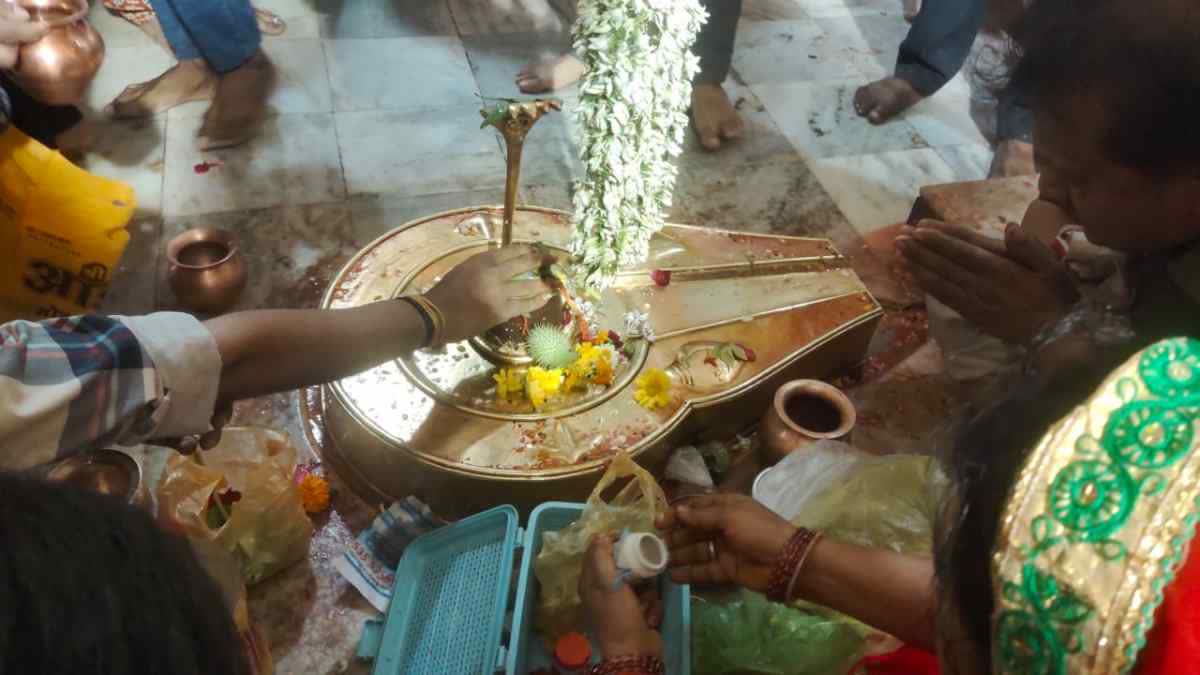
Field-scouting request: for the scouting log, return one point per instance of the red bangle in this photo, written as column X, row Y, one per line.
column 788, row 564
column 619, row 665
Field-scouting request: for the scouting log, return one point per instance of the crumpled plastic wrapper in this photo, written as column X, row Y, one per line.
column 560, row 562
column 267, row 530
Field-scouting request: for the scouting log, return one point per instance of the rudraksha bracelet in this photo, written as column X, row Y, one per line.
column 622, row 665
column 787, row 566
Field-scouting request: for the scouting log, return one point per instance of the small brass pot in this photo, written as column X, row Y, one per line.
column 206, row 270
column 802, row 413
column 58, row 68
column 108, row 472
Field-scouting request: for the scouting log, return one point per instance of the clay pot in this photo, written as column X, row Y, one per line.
column 206, row 270
column 58, row 68
column 803, row 412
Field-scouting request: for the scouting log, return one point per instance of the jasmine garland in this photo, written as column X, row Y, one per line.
column 632, row 117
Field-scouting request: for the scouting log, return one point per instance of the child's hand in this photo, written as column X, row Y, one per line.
column 617, row 616
column 489, row 289
column 15, row 30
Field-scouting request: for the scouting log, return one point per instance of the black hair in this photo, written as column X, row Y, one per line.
column 89, row 584
column 1140, row 58
column 982, row 467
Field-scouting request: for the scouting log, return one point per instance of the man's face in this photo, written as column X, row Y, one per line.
column 1118, row 207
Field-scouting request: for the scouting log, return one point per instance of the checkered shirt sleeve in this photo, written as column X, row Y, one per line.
column 72, row 384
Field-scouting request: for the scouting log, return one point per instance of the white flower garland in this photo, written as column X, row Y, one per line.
column 632, row 117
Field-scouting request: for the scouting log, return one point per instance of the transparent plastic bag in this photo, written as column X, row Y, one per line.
column 752, row 635
column 227, row 574
column 888, row 502
column 267, row 529
column 560, row 562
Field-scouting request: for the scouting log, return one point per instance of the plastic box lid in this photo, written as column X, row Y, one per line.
column 450, row 600
column 450, row 604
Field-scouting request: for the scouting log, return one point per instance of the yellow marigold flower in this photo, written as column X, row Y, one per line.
column 314, row 493
column 602, row 367
column 653, row 389
column 585, row 349
column 509, row 383
column 601, row 339
column 541, row 385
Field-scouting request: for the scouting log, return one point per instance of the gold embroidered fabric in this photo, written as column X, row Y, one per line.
column 1099, row 519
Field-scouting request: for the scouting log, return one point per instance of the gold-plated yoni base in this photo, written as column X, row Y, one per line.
column 430, row 425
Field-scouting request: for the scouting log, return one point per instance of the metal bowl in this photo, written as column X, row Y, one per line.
column 108, row 472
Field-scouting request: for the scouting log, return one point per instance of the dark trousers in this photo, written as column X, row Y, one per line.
column 714, row 44
column 222, row 32
column 935, row 49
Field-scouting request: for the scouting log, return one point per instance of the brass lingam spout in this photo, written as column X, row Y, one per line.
column 514, row 119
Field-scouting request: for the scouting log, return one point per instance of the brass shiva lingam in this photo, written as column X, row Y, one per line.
column 432, row 424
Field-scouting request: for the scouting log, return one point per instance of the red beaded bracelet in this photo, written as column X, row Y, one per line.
column 619, row 665
column 788, row 564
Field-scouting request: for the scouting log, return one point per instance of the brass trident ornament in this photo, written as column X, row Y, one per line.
column 514, row 119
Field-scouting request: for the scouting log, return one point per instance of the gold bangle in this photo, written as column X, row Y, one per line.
column 435, row 316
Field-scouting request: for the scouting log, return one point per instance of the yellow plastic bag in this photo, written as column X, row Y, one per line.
column 62, row 231
column 560, row 562
column 267, row 530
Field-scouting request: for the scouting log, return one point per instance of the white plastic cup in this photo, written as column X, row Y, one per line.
column 644, row 555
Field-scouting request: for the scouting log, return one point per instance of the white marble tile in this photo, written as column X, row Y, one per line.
column 131, row 152
column 399, row 74
column 117, row 32
column 870, row 42
column 301, row 84
column 781, row 196
column 497, row 58
column 418, row 152
column 374, row 214
column 819, row 119
column 550, row 154
column 967, row 162
column 788, row 51
column 384, row 18
column 479, row 17
column 773, row 10
column 303, row 18
column 553, row 196
column 124, row 66
column 945, row 119
column 293, row 160
column 878, row 190
column 817, row 8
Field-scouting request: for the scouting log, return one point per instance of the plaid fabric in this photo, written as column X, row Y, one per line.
column 73, row 384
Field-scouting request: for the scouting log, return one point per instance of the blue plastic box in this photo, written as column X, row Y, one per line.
column 451, row 604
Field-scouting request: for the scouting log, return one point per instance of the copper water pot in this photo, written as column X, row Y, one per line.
column 206, row 270
column 802, row 413
column 58, row 68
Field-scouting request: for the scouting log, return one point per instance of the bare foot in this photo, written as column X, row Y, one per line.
column 1012, row 158
column 539, row 77
column 269, row 23
column 713, row 116
column 186, row 81
column 239, row 106
column 883, row 99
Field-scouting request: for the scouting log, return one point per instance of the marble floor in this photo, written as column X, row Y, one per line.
column 375, row 121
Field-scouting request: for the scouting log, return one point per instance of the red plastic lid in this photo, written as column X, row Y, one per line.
column 572, row 651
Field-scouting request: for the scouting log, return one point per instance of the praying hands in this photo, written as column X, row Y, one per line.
column 1011, row 289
